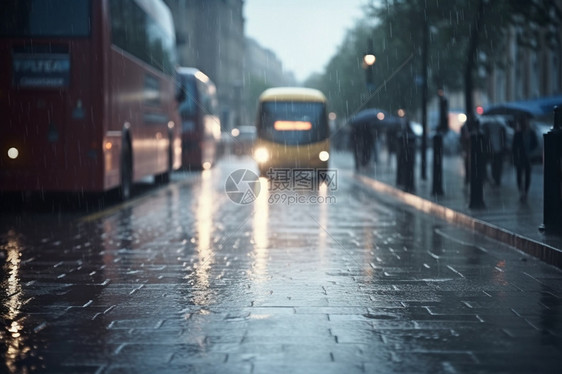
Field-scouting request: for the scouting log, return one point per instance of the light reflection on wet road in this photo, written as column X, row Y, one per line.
column 184, row 278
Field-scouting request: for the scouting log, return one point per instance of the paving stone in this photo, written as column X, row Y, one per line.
column 197, row 283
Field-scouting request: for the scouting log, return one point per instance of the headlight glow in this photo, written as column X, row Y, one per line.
column 261, row 155
column 324, row 156
column 13, row 153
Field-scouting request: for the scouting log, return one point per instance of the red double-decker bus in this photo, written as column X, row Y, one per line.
column 87, row 95
column 200, row 123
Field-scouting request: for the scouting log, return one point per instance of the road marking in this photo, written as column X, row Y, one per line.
column 121, row 206
column 136, row 200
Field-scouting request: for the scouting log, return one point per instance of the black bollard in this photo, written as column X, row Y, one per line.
column 406, row 157
column 406, row 161
column 400, row 161
column 477, row 171
column 437, row 188
column 552, row 185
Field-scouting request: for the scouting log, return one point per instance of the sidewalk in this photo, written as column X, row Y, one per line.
column 504, row 218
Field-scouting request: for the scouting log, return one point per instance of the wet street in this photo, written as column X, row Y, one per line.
column 204, row 276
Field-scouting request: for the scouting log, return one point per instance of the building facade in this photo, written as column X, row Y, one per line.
column 264, row 63
column 210, row 37
column 262, row 69
column 526, row 73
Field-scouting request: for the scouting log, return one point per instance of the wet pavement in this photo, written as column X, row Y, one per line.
column 183, row 279
column 504, row 217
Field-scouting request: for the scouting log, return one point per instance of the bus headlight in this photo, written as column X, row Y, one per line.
column 324, row 156
column 13, row 153
column 261, row 155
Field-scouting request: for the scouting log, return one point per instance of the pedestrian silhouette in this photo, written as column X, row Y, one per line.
column 524, row 145
column 465, row 148
column 495, row 135
column 391, row 137
column 362, row 143
column 375, row 149
column 443, row 125
column 406, row 157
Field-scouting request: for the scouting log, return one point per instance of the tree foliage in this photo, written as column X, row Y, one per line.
column 466, row 39
column 344, row 80
column 254, row 86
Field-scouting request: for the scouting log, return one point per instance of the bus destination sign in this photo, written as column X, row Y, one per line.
column 41, row 70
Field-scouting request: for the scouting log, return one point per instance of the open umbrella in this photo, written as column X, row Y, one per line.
column 376, row 119
column 530, row 108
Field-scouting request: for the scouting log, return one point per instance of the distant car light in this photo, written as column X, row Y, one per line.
column 261, row 155
column 13, row 153
column 324, row 156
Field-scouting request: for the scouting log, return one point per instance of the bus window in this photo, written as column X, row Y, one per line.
column 137, row 32
column 45, row 18
column 293, row 123
column 188, row 106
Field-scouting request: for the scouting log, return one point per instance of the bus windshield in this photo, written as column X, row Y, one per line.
column 293, row 123
column 45, row 18
column 188, row 107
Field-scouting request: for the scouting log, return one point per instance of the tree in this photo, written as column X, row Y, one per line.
column 344, row 83
column 254, row 86
column 466, row 36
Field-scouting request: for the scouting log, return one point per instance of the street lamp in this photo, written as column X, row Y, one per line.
column 368, row 62
column 369, row 59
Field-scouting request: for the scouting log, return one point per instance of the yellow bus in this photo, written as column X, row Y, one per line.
column 292, row 129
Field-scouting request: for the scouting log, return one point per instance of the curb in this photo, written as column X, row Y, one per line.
column 544, row 252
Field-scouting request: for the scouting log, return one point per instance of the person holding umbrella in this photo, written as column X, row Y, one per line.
column 524, row 144
column 361, row 142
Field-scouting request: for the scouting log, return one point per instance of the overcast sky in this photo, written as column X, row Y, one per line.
column 304, row 34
